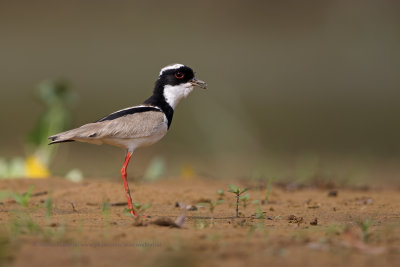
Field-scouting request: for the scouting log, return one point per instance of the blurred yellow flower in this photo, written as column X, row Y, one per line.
column 34, row 168
column 187, row 172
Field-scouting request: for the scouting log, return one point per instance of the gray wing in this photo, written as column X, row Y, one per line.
column 131, row 126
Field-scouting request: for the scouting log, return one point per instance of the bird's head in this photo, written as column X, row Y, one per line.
column 177, row 81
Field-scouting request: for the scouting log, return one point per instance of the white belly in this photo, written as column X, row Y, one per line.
column 132, row 143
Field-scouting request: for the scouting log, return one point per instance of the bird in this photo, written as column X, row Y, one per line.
column 141, row 125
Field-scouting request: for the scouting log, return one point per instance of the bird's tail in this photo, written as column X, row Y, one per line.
column 85, row 133
column 60, row 138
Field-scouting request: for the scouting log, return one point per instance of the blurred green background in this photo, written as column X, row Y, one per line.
column 297, row 90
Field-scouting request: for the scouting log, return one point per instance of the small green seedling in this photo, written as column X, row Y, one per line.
column 268, row 190
column 220, row 193
column 259, row 213
column 48, row 205
column 245, row 198
column 139, row 208
column 365, row 225
column 212, row 204
column 105, row 209
column 22, row 224
column 23, row 199
column 238, row 192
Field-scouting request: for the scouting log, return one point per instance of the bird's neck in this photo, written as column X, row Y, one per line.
column 158, row 100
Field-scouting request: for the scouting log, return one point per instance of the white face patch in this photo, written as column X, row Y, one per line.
column 174, row 93
column 171, row 67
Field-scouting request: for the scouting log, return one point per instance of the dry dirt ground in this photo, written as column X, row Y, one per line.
column 302, row 227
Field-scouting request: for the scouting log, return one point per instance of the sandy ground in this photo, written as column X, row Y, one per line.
column 79, row 232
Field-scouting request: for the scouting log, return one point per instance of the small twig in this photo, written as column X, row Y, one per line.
column 73, row 207
column 39, row 194
column 118, row 204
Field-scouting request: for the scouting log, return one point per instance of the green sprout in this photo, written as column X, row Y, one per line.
column 48, row 205
column 220, row 193
column 245, row 198
column 212, row 204
column 23, row 199
column 365, row 225
column 139, row 208
column 105, row 209
column 56, row 99
column 259, row 213
column 268, row 190
column 23, row 224
column 238, row 192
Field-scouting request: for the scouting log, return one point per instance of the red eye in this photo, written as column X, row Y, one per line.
column 179, row 75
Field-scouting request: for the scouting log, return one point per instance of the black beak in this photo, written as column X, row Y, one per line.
column 198, row 83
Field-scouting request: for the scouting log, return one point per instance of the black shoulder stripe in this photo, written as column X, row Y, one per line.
column 128, row 111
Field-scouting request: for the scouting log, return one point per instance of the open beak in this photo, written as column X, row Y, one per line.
column 198, row 83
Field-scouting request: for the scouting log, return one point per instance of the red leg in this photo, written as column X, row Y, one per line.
column 124, row 178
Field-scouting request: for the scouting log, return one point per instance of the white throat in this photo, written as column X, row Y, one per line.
column 174, row 93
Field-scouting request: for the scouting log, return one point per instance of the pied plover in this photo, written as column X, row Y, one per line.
column 141, row 125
